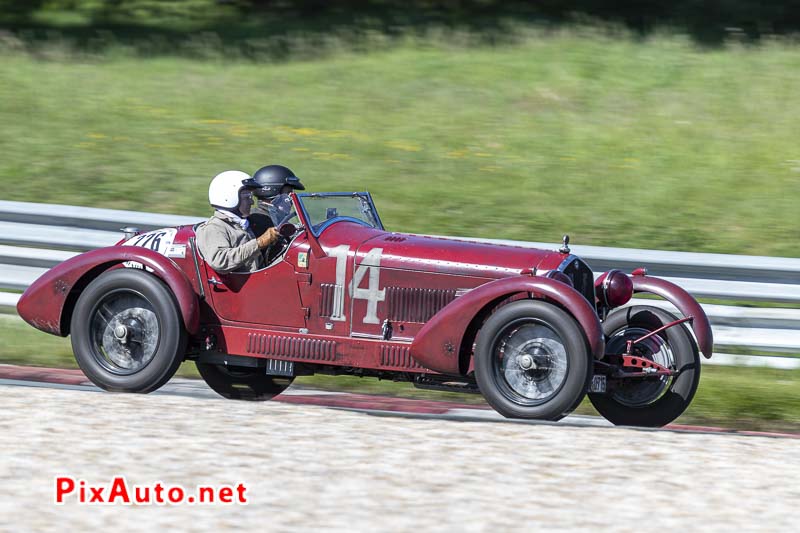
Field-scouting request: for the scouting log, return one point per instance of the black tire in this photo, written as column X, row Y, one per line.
column 657, row 401
column 242, row 383
column 154, row 341
column 551, row 370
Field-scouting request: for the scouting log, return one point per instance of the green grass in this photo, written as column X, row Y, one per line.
column 749, row 398
column 23, row 345
column 649, row 143
column 745, row 398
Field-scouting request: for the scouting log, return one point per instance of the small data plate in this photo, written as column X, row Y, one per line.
column 598, row 383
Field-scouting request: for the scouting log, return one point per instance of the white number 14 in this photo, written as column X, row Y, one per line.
column 372, row 294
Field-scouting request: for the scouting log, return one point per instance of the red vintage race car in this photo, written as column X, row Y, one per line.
column 532, row 330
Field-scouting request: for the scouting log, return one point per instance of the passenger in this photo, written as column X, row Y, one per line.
column 274, row 183
column 226, row 241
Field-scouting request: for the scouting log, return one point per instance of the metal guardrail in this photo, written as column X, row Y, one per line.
column 724, row 276
column 87, row 217
column 35, row 237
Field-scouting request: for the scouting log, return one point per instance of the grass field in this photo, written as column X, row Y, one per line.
column 746, row 398
column 650, row 143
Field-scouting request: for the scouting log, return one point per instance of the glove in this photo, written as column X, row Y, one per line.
column 267, row 238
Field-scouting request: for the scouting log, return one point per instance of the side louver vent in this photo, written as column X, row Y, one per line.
column 276, row 345
column 329, row 292
column 398, row 357
column 416, row 305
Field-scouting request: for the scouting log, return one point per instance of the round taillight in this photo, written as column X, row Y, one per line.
column 560, row 276
column 613, row 288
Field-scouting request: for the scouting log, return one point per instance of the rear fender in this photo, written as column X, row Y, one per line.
column 438, row 344
column 685, row 303
column 47, row 303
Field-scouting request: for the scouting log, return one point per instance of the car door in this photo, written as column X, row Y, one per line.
column 268, row 296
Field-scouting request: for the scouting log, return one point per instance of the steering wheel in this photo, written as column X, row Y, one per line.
column 287, row 230
column 285, row 234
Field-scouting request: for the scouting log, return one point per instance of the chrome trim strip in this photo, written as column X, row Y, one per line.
column 380, row 337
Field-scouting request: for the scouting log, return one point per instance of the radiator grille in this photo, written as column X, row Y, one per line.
column 416, row 305
column 276, row 345
column 582, row 278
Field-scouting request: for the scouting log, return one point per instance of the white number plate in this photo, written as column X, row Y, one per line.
column 598, row 383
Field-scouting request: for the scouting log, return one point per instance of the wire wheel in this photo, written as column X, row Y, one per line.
column 636, row 393
column 125, row 332
column 530, row 362
column 242, row 383
column 651, row 401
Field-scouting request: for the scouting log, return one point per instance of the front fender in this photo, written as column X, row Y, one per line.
column 42, row 305
column 685, row 303
column 437, row 345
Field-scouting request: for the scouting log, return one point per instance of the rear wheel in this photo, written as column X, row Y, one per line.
column 127, row 332
column 653, row 401
column 531, row 361
column 242, row 383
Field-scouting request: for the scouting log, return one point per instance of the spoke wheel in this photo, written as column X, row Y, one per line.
column 652, row 401
column 638, row 393
column 531, row 361
column 127, row 334
column 242, row 383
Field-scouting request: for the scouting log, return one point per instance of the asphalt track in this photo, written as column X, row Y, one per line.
column 315, row 460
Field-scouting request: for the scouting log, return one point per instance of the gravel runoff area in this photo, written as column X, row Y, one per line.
column 312, row 468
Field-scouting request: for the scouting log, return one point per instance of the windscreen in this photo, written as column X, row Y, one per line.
column 324, row 209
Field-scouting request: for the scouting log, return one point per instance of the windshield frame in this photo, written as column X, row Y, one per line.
column 327, row 223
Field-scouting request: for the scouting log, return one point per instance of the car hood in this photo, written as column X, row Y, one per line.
column 451, row 256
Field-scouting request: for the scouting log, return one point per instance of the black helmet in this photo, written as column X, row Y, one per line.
column 272, row 178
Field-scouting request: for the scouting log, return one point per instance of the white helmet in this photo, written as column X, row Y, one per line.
column 224, row 189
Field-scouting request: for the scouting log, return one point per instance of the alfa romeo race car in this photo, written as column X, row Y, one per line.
column 532, row 330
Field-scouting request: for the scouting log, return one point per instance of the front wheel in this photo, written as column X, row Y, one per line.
column 242, row 383
column 127, row 332
column 531, row 361
column 652, row 401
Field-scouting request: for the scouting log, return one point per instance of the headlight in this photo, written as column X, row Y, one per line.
column 613, row 289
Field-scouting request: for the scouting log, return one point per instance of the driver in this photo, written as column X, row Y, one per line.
column 226, row 241
column 272, row 205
